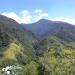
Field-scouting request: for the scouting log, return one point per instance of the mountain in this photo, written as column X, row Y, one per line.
column 42, row 48
column 15, row 42
column 46, row 27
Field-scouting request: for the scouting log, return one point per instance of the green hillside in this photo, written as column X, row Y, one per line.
column 53, row 54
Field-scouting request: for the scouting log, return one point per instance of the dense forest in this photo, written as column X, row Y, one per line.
column 42, row 48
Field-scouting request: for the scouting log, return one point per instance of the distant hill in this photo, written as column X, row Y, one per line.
column 46, row 27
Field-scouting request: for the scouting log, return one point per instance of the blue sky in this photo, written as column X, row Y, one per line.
column 27, row 11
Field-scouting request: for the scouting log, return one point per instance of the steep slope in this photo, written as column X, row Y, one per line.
column 15, row 42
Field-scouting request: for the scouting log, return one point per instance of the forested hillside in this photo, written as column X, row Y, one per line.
column 42, row 48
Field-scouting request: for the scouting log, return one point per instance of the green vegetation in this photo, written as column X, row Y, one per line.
column 60, row 62
column 31, row 68
column 50, row 55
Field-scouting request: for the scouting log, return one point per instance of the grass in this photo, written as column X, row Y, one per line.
column 12, row 50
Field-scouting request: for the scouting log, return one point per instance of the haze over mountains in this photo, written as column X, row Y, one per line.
column 42, row 48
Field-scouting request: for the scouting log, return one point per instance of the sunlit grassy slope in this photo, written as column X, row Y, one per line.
column 11, row 54
column 12, row 50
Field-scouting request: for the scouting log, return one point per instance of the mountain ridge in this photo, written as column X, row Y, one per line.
column 44, row 26
column 43, row 48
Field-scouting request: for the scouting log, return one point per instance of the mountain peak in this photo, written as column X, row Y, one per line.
column 43, row 20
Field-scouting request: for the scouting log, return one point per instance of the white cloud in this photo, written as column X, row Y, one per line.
column 25, row 12
column 44, row 14
column 26, row 19
column 25, row 16
column 64, row 19
column 40, row 14
column 38, row 11
column 12, row 15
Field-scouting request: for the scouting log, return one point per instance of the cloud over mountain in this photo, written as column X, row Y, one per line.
column 26, row 16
